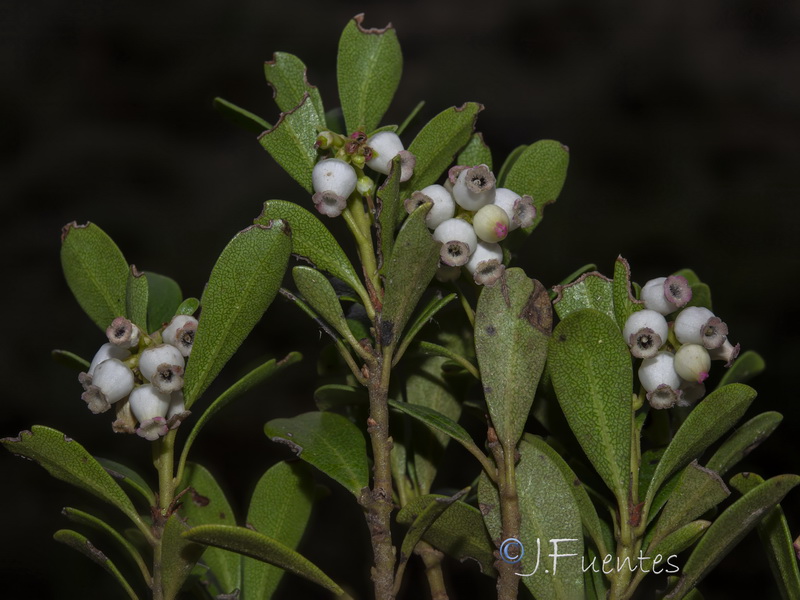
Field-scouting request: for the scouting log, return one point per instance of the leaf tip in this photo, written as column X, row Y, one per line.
column 359, row 19
column 69, row 227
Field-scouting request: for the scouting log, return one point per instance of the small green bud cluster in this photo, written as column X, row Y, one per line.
column 339, row 174
column 676, row 354
column 141, row 375
column 470, row 215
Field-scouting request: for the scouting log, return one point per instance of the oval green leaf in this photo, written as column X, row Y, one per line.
column 743, row 441
column 241, row 287
column 743, row 369
column 178, row 556
column 286, row 74
column 320, row 295
column 590, row 290
column 136, row 294
column 164, row 301
column 128, row 478
column 241, row 117
column 476, row 152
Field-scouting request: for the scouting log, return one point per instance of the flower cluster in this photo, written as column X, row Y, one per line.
column 470, row 216
column 676, row 355
column 335, row 178
column 141, row 375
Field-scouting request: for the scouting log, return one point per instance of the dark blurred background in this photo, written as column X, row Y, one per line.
column 683, row 122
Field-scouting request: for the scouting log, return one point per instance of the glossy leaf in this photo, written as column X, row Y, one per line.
column 672, row 545
column 241, row 117
column 438, row 143
column 164, row 300
column 96, row 272
column 625, row 304
column 286, row 74
column 261, row 547
column 743, row 441
column 78, row 542
column 321, row 296
column 743, row 369
column 773, row 530
column 590, row 290
column 390, row 212
column 368, row 71
column 591, row 372
column 245, row 384
column 730, row 527
column 411, row 267
column 334, row 395
column 67, row 460
column 698, row 490
column 136, row 294
column 241, row 287
column 591, row 522
column 279, row 508
column 458, row 532
column 291, row 142
column 709, row 420
column 70, row 360
column 513, row 321
column 206, row 504
column 476, row 152
column 509, row 162
column 128, row 478
column 178, row 556
column 312, row 240
column 329, row 442
column 539, row 171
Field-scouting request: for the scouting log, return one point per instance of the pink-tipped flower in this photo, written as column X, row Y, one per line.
column 692, row 363
column 111, row 382
column 123, row 333
column 520, row 210
column 444, row 207
column 385, row 145
column 180, row 333
column 163, row 366
column 486, row 264
column 645, row 332
column 698, row 325
column 666, row 294
column 658, row 377
column 458, row 241
column 150, row 407
column 474, row 188
column 491, row 224
column 333, row 180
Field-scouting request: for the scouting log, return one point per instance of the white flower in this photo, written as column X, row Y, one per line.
column 645, row 332
column 657, row 375
column 385, row 145
column 123, row 333
column 163, row 367
column 698, row 325
column 444, row 207
column 474, row 188
column 180, row 333
column 666, row 294
column 111, row 382
column 106, row 351
column 486, row 263
column 520, row 210
column 458, row 241
column 491, row 223
column 150, row 407
column 333, row 180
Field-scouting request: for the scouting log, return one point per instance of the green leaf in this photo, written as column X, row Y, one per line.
column 701, row 293
column 476, row 152
column 319, row 293
column 70, row 360
column 423, row 317
column 743, row 369
column 136, row 294
column 509, row 162
column 730, row 527
column 458, row 532
column 705, row 425
column 128, row 478
column 67, row 460
column 96, row 272
column 368, row 70
column 431, row 349
column 329, row 442
column 411, row 116
column 438, row 143
column 188, row 307
column 279, row 508
column 178, row 556
column 206, row 504
column 261, row 547
column 164, row 300
column 743, row 441
column 412, row 265
column 390, row 212
column 513, row 322
column 78, row 542
column 549, row 512
column 592, row 377
column 590, row 290
column 291, row 142
column 238, row 389
column 698, row 490
column 625, row 304
column 434, row 506
column 241, row 117
column 312, row 240
column 776, row 539
column 287, row 75
column 334, row 395
column 539, row 171
column 241, row 287
column 672, row 545
column 591, row 522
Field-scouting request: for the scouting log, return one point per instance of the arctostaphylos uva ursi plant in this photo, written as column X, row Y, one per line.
column 629, row 492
